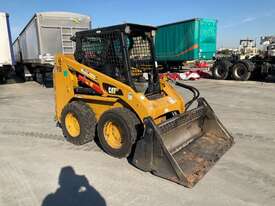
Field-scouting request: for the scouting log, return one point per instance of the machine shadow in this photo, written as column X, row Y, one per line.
column 74, row 190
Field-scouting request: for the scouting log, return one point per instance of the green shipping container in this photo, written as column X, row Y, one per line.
column 193, row 39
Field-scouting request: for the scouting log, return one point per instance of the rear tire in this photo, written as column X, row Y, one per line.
column 220, row 69
column 78, row 123
column 117, row 131
column 262, row 71
column 241, row 71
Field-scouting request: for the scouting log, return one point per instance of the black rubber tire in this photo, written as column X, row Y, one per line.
column 86, row 119
column 26, row 79
column 261, row 72
column 128, row 123
column 257, row 75
column 220, row 69
column 241, row 71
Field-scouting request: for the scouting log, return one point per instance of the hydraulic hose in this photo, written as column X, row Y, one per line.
column 196, row 93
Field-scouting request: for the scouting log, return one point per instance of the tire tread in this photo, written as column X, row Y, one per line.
column 87, row 122
column 132, row 122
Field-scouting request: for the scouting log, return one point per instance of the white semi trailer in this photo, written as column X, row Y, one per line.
column 45, row 35
column 6, row 54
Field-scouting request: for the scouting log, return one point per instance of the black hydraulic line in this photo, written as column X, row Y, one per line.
column 196, row 93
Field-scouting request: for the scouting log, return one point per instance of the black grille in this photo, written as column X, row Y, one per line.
column 140, row 55
column 103, row 52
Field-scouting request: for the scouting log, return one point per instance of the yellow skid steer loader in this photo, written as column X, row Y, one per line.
column 110, row 88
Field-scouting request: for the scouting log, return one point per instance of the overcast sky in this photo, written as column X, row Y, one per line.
column 237, row 19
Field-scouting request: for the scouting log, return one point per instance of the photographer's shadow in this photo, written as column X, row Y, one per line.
column 74, row 190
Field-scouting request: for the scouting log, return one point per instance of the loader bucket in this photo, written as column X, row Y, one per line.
column 183, row 149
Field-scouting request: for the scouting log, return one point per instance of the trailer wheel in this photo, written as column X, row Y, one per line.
column 117, row 131
column 258, row 75
column 220, row 69
column 241, row 71
column 262, row 72
column 78, row 123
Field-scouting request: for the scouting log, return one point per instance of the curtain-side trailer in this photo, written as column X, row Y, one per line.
column 188, row 40
column 45, row 35
column 6, row 54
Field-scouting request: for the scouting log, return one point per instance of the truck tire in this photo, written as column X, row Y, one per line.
column 241, row 71
column 258, row 75
column 27, row 74
column 220, row 69
column 78, row 123
column 117, row 131
column 262, row 72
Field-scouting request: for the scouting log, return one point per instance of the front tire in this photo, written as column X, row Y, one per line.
column 78, row 123
column 117, row 131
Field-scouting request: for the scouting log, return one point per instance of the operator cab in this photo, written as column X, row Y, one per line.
column 124, row 52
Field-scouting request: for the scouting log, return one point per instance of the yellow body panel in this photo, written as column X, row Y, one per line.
column 65, row 81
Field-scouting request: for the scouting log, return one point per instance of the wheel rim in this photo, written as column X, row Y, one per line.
column 72, row 125
column 240, row 71
column 112, row 135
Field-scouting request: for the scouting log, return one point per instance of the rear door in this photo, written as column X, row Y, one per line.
column 207, row 38
column 56, row 32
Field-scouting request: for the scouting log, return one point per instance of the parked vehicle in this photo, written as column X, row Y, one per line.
column 6, row 54
column 189, row 40
column 102, row 93
column 46, row 34
column 249, row 63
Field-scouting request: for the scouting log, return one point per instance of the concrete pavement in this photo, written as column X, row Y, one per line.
column 35, row 161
